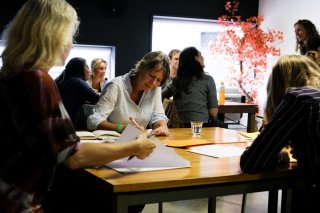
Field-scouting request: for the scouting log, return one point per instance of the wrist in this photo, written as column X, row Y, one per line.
column 119, row 128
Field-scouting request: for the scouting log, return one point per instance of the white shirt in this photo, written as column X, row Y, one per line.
column 115, row 105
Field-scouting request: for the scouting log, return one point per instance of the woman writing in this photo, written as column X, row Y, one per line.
column 137, row 94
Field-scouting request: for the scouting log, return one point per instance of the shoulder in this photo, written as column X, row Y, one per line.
column 304, row 93
column 39, row 78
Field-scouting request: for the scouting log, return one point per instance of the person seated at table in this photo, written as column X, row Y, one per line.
column 194, row 91
column 97, row 79
column 37, row 133
column 136, row 94
column 74, row 90
column 291, row 117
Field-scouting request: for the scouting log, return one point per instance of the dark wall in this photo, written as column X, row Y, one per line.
column 130, row 32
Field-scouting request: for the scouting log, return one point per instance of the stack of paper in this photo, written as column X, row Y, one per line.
column 161, row 158
column 218, row 151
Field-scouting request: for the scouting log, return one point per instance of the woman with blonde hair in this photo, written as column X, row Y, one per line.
column 292, row 117
column 97, row 79
column 37, row 133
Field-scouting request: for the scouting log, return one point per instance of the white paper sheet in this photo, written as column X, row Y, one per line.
column 218, row 151
column 161, row 158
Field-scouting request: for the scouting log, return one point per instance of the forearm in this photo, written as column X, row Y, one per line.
column 105, row 125
column 213, row 112
column 97, row 154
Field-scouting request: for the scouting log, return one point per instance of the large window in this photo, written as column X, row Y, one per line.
column 177, row 33
column 87, row 52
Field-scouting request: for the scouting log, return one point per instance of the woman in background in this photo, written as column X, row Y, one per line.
column 136, row 94
column 291, row 117
column 194, row 92
column 73, row 88
column 307, row 36
column 97, row 79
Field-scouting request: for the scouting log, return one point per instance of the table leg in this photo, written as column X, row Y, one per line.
column 212, row 204
column 251, row 127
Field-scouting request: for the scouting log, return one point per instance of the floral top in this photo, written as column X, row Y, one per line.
column 36, row 135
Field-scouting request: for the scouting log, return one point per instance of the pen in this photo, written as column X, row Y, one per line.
column 133, row 121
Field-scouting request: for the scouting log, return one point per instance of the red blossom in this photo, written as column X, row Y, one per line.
column 248, row 43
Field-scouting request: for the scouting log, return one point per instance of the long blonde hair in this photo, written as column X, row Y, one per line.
column 290, row 71
column 38, row 36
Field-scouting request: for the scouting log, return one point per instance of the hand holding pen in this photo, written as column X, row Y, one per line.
column 146, row 146
column 135, row 124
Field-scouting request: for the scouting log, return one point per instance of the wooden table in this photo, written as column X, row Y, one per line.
column 206, row 178
column 237, row 107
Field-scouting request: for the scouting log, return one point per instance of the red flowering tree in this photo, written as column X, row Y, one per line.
column 249, row 46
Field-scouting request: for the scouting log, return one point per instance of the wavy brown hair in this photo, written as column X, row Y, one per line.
column 290, row 71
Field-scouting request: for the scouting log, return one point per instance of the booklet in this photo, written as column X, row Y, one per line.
column 98, row 134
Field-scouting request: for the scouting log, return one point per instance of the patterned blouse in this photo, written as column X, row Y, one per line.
column 36, row 135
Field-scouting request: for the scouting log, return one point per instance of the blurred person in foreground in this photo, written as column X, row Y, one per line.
column 37, row 133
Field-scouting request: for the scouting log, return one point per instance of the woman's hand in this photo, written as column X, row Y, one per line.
column 144, row 146
column 161, row 130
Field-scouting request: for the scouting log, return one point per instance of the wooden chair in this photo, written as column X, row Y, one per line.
column 172, row 114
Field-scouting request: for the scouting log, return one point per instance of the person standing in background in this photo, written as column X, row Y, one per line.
column 37, row 135
column 98, row 80
column 194, row 92
column 307, row 36
column 74, row 89
column 291, row 118
column 174, row 62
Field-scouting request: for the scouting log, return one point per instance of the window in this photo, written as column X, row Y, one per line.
column 87, row 52
column 177, row 33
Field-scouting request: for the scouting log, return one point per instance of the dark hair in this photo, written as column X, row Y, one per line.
column 74, row 68
column 188, row 69
column 312, row 40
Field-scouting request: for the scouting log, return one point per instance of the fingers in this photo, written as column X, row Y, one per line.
column 146, row 147
column 160, row 131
